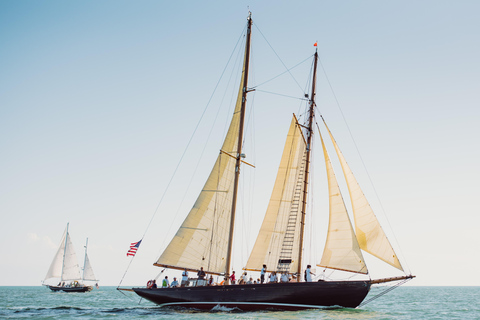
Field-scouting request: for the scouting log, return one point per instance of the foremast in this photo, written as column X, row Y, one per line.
column 85, row 260
column 309, row 133
column 239, row 148
column 64, row 253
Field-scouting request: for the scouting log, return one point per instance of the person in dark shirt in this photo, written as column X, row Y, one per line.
column 201, row 277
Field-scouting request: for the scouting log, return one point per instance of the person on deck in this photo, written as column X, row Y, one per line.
column 165, row 282
column 210, row 281
column 273, row 277
column 184, row 278
column 243, row 278
column 262, row 273
column 308, row 274
column 201, row 277
column 232, row 278
column 174, row 283
column 250, row 281
column 284, row 277
column 154, row 284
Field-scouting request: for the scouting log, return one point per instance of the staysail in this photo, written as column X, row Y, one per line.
column 370, row 234
column 202, row 240
column 342, row 251
column 279, row 236
column 88, row 274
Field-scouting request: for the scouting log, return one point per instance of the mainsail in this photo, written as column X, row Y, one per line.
column 279, row 236
column 370, row 234
column 342, row 251
column 202, row 240
column 65, row 264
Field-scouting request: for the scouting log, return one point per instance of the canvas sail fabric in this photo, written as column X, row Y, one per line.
column 370, row 234
column 55, row 270
column 88, row 270
column 342, row 251
column 71, row 269
column 65, row 264
column 202, row 240
column 283, row 217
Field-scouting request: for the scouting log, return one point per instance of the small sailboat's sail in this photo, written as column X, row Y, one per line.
column 88, row 274
column 342, row 251
column 370, row 234
column 71, row 269
column 202, row 240
column 55, row 270
column 279, row 236
column 65, row 264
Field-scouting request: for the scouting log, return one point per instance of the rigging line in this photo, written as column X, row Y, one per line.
column 283, row 95
column 383, row 292
column 204, row 147
column 258, row 85
column 195, row 130
column 278, row 56
column 363, row 163
column 186, row 148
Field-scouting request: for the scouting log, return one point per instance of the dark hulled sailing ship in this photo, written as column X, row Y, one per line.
column 206, row 235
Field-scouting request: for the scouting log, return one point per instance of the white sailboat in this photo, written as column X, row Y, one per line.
column 65, row 267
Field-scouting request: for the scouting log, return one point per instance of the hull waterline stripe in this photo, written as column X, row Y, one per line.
column 233, row 304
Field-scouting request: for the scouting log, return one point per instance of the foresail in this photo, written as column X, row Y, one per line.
column 370, row 234
column 55, row 270
column 71, row 269
column 88, row 274
column 342, row 251
column 202, row 239
column 279, row 234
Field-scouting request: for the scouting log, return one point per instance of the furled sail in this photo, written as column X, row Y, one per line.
column 342, row 251
column 88, row 274
column 279, row 235
column 370, row 234
column 202, row 240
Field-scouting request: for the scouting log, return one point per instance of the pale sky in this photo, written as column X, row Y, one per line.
column 98, row 100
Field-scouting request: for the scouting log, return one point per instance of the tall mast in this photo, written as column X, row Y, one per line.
column 85, row 260
column 239, row 147
column 307, row 164
column 64, row 251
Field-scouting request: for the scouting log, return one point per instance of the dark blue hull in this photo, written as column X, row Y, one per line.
column 71, row 289
column 284, row 296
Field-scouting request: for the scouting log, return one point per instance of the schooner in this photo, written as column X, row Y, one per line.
column 205, row 238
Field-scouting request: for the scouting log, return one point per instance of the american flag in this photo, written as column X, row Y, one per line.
column 133, row 248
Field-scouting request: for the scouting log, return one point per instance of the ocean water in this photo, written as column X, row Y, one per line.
column 416, row 303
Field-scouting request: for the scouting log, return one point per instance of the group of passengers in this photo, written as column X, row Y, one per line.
column 203, row 281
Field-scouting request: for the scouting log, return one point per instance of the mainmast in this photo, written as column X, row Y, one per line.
column 239, row 147
column 309, row 128
column 85, row 260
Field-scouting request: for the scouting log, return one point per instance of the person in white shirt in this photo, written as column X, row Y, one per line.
column 184, row 278
column 174, row 283
column 308, row 274
column 273, row 277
